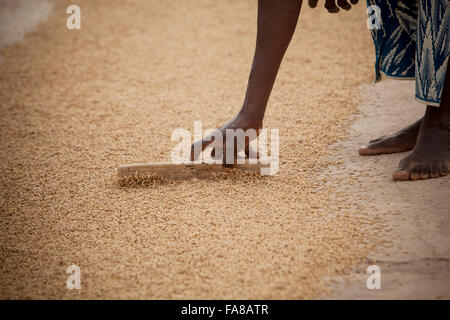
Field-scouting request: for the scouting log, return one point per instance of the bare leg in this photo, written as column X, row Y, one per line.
column 276, row 24
column 431, row 155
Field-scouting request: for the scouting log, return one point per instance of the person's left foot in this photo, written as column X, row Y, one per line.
column 403, row 140
column 430, row 157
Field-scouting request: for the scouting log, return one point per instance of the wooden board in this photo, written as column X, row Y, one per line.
column 180, row 171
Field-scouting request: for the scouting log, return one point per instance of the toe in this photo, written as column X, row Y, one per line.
column 434, row 170
column 401, row 176
column 443, row 169
column 365, row 150
column 372, row 149
column 414, row 173
column 425, row 172
column 402, row 173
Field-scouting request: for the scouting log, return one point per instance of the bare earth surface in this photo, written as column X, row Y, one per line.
column 416, row 264
column 75, row 104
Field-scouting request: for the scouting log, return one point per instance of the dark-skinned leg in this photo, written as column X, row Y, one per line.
column 276, row 25
column 430, row 157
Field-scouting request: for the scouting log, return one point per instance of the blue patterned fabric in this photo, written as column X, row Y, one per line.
column 414, row 42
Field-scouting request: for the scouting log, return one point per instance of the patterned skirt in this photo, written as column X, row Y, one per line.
column 412, row 41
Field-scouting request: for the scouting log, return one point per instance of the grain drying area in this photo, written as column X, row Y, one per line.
column 77, row 103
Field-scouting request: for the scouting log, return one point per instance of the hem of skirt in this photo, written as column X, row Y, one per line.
column 396, row 77
column 428, row 102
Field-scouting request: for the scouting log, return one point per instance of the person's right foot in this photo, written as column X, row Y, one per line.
column 403, row 140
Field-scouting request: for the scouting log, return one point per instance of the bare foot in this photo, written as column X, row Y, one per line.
column 431, row 155
column 403, row 140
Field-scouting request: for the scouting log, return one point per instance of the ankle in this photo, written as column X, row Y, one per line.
column 437, row 116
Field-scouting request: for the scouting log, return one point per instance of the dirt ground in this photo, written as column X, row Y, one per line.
column 76, row 103
column 415, row 264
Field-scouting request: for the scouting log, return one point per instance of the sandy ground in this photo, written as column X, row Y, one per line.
column 76, row 104
column 415, row 215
